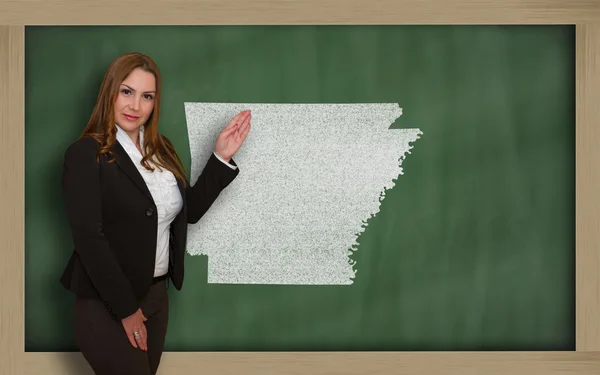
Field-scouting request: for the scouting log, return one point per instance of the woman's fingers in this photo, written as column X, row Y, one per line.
column 227, row 131
column 140, row 340
column 236, row 123
column 131, row 338
column 141, row 329
column 236, row 120
column 244, row 132
column 246, row 122
column 143, row 340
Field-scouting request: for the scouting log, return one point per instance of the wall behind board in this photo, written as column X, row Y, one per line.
column 473, row 249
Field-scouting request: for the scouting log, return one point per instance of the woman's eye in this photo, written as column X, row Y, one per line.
column 125, row 91
column 149, row 97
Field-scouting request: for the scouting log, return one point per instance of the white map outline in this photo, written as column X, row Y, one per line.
column 311, row 175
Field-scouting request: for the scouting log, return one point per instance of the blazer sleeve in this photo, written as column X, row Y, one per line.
column 215, row 177
column 81, row 191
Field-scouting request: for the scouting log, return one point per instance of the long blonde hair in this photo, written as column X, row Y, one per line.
column 101, row 125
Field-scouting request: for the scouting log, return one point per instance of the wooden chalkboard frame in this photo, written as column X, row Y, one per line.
column 585, row 14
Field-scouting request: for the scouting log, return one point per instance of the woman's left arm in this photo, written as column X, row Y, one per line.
column 217, row 175
column 214, row 178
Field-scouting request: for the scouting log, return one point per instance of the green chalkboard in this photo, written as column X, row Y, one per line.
column 473, row 249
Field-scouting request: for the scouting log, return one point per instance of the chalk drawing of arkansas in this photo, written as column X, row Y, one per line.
column 311, row 175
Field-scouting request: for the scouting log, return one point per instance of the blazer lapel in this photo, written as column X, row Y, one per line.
column 124, row 162
column 182, row 191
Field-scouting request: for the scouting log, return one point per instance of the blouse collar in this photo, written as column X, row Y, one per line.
column 127, row 142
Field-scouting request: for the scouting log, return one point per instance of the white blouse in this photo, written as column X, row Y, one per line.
column 166, row 195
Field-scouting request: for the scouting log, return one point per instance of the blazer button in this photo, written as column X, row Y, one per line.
column 149, row 212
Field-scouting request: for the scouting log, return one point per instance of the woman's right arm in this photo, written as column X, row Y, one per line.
column 81, row 191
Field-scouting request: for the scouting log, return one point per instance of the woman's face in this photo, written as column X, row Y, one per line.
column 135, row 100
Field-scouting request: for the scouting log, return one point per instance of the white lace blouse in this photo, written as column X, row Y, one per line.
column 166, row 195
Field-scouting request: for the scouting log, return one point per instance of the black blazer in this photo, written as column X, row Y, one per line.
column 113, row 222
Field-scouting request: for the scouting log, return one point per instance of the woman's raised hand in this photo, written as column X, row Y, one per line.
column 233, row 135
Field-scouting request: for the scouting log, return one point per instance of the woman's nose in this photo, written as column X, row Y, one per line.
column 135, row 103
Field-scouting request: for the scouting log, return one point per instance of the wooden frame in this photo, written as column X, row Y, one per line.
column 585, row 14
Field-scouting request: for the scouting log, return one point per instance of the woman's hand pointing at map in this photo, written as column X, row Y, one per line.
column 233, row 135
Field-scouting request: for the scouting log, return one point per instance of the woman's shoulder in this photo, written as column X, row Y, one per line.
column 82, row 147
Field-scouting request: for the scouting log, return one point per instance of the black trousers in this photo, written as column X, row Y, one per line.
column 104, row 344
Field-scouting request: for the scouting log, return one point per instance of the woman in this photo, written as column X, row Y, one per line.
column 128, row 205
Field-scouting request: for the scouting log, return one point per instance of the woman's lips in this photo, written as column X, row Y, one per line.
column 131, row 118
